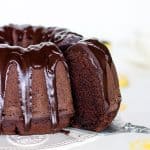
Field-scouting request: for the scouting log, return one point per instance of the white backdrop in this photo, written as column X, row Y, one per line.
column 101, row 18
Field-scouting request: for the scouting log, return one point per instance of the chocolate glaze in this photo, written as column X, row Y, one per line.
column 111, row 81
column 103, row 60
column 26, row 57
column 26, row 35
column 44, row 55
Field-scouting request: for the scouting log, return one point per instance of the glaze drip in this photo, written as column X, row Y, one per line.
column 110, row 81
column 50, row 84
column 1, row 102
column 44, row 55
column 14, row 57
column 50, row 77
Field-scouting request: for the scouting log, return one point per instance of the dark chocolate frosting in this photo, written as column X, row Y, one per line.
column 20, row 45
column 43, row 55
column 110, row 77
column 26, row 35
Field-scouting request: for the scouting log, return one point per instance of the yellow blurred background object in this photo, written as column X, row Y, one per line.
column 140, row 144
column 123, row 107
column 123, row 81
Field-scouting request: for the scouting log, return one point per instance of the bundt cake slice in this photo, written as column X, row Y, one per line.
column 94, row 85
column 35, row 94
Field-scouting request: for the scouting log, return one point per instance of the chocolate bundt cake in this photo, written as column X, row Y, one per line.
column 42, row 69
